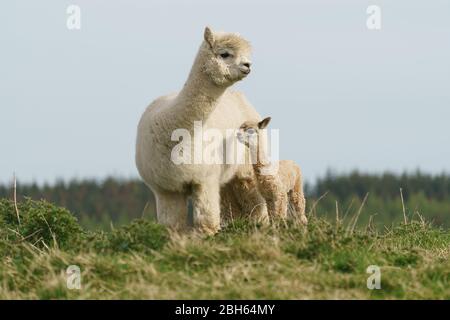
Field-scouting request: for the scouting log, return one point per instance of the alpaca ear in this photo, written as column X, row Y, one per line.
column 209, row 36
column 264, row 123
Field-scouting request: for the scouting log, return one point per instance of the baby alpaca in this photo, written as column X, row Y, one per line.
column 275, row 188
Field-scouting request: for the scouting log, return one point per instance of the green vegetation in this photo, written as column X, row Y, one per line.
column 97, row 204
column 245, row 261
column 422, row 193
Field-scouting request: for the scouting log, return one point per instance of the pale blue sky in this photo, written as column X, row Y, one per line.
column 343, row 97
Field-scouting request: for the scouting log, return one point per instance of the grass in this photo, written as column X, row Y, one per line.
column 143, row 260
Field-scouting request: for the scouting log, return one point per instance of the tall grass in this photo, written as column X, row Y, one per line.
column 143, row 260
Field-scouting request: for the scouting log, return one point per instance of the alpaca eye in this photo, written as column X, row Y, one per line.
column 251, row 131
column 225, row 55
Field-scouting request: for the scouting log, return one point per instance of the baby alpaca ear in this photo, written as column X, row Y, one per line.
column 264, row 123
column 209, row 36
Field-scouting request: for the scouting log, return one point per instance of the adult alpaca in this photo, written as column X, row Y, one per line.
column 222, row 60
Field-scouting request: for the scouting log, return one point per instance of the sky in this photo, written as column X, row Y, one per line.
column 344, row 97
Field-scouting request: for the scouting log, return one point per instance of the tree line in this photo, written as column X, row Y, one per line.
column 98, row 203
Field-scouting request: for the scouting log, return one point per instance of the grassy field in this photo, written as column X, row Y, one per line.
column 142, row 260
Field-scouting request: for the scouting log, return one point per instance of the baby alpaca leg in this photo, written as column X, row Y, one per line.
column 206, row 202
column 250, row 201
column 172, row 209
column 271, row 207
column 282, row 202
column 277, row 205
column 271, row 189
column 298, row 201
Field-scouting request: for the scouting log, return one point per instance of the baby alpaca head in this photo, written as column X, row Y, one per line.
column 227, row 57
column 249, row 131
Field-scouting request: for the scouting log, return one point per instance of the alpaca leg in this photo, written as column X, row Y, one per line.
column 277, row 205
column 282, row 202
column 272, row 207
column 299, row 203
column 249, row 200
column 229, row 206
column 206, row 202
column 172, row 209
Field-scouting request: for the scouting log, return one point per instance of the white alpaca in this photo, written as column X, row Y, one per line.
column 277, row 187
column 222, row 60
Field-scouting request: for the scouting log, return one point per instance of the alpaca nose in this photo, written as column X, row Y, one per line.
column 245, row 67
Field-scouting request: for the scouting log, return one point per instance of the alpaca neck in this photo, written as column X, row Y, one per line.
column 200, row 94
column 260, row 159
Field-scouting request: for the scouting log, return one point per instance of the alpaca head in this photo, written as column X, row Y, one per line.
column 226, row 57
column 249, row 131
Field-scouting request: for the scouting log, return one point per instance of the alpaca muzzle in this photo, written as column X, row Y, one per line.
column 245, row 70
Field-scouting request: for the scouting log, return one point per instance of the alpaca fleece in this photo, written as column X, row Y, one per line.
column 277, row 182
column 222, row 60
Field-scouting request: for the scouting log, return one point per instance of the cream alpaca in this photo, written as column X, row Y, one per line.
column 276, row 188
column 222, row 60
